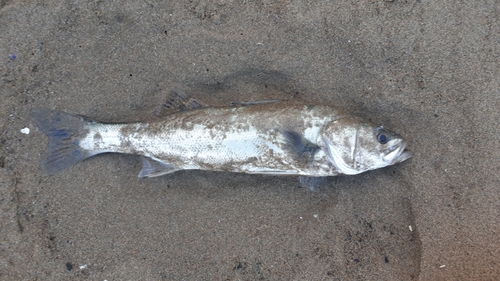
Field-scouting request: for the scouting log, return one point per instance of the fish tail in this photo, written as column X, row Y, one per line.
column 64, row 131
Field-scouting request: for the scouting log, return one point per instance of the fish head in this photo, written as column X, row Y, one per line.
column 355, row 145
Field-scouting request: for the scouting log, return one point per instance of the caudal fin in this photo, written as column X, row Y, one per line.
column 64, row 131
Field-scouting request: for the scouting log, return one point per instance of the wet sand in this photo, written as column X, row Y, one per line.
column 425, row 69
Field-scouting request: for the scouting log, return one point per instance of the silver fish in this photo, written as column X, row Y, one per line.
column 274, row 138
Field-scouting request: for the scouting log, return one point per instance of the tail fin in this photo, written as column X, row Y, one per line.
column 64, row 131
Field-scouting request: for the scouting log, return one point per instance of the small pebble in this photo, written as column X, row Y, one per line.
column 25, row 131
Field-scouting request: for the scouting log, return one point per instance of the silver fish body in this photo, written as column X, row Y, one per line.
column 274, row 138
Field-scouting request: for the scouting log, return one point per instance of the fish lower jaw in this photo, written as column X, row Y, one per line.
column 405, row 154
column 397, row 154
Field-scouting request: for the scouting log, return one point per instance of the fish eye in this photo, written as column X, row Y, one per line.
column 382, row 136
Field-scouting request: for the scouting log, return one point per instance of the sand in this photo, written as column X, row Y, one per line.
column 428, row 70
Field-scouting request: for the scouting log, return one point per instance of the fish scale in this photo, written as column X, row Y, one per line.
column 230, row 140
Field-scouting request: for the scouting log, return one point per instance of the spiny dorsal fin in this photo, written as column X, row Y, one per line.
column 247, row 103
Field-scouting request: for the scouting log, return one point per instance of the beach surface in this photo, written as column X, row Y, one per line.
column 428, row 70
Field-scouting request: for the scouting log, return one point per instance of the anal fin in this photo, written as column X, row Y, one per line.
column 155, row 168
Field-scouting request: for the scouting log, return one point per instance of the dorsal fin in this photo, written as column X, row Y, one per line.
column 179, row 101
column 247, row 103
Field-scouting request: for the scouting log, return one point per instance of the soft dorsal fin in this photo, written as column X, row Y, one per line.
column 155, row 168
column 179, row 101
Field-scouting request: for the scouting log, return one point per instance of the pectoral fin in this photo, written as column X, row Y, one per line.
column 155, row 168
column 301, row 148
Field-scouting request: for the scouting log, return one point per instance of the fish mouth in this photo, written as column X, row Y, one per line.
column 398, row 153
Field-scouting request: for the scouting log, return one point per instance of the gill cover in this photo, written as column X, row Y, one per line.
column 339, row 140
column 355, row 145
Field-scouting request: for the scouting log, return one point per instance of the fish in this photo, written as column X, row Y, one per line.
column 263, row 137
